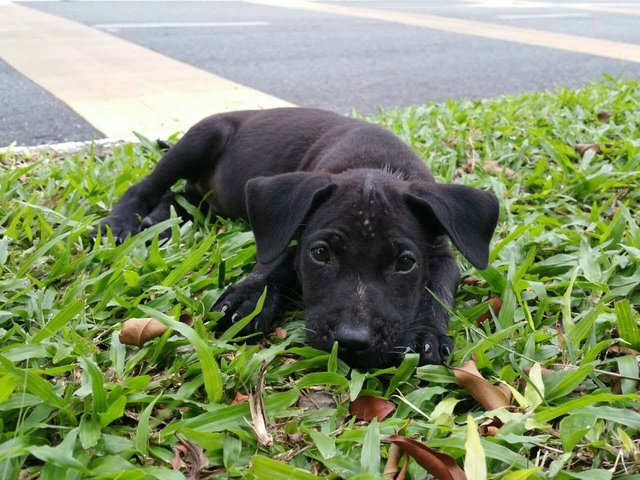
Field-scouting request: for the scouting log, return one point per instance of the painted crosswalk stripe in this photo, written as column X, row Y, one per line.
column 116, row 85
column 539, row 38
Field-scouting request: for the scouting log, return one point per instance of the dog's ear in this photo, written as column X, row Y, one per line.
column 277, row 206
column 467, row 215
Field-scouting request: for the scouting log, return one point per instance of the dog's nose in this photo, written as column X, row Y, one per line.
column 352, row 338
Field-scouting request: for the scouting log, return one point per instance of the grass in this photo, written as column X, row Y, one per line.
column 76, row 403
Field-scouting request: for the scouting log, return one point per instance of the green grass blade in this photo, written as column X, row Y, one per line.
column 62, row 318
column 267, row 469
column 210, row 369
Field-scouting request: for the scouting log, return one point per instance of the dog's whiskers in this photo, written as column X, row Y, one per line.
column 402, row 350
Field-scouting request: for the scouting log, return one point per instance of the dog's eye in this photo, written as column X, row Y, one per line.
column 320, row 254
column 405, row 263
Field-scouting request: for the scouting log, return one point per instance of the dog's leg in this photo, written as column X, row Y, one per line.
column 193, row 156
column 240, row 300
column 442, row 286
column 162, row 211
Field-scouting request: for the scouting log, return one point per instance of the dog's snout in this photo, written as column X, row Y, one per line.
column 352, row 338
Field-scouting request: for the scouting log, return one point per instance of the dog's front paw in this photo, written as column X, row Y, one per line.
column 121, row 228
column 240, row 300
column 436, row 349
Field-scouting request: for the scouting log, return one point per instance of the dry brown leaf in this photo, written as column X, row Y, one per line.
column 138, row 331
column 192, row 455
column 392, row 468
column 490, row 427
column 367, row 408
column 256, row 407
column 186, row 319
column 281, row 333
column 440, row 465
column 543, row 371
column 239, row 398
column 179, row 452
column 494, row 168
column 472, row 280
column 620, row 350
column 495, row 306
column 583, row 148
column 487, row 395
column 604, row 116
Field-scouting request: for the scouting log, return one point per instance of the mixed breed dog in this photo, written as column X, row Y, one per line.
column 371, row 227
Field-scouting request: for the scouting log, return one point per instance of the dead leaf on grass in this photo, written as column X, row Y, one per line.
column 494, row 168
column 186, row 319
column 367, row 408
column 583, row 148
column 392, row 468
column 543, row 371
column 138, row 331
column 239, row 398
column 256, row 407
column 472, row 280
column 440, row 465
column 179, row 452
column 494, row 306
column 604, row 116
column 490, row 427
column 620, row 350
column 192, row 455
column 487, row 395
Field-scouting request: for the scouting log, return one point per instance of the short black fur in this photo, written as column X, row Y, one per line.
column 372, row 258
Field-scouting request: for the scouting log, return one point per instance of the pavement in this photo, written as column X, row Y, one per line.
column 79, row 70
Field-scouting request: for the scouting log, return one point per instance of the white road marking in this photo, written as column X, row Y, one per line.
column 119, row 26
column 528, row 16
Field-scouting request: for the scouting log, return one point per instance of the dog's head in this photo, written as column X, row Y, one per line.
column 366, row 245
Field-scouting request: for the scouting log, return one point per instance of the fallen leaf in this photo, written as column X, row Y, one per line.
column 543, row 371
column 392, row 468
column 192, row 455
column 367, row 408
column 138, row 331
column 472, row 156
column 281, row 333
column 620, row 350
column 472, row 280
column 490, row 427
column 179, row 452
column 440, row 465
column 494, row 306
column 186, row 319
column 487, row 395
column 256, row 408
column 604, row 116
column 494, row 168
column 583, row 148
column 239, row 398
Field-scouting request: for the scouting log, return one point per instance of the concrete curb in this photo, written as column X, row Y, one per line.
column 101, row 147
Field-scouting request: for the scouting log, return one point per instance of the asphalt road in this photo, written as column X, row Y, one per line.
column 332, row 61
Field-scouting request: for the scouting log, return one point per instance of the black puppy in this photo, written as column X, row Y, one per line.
column 372, row 255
